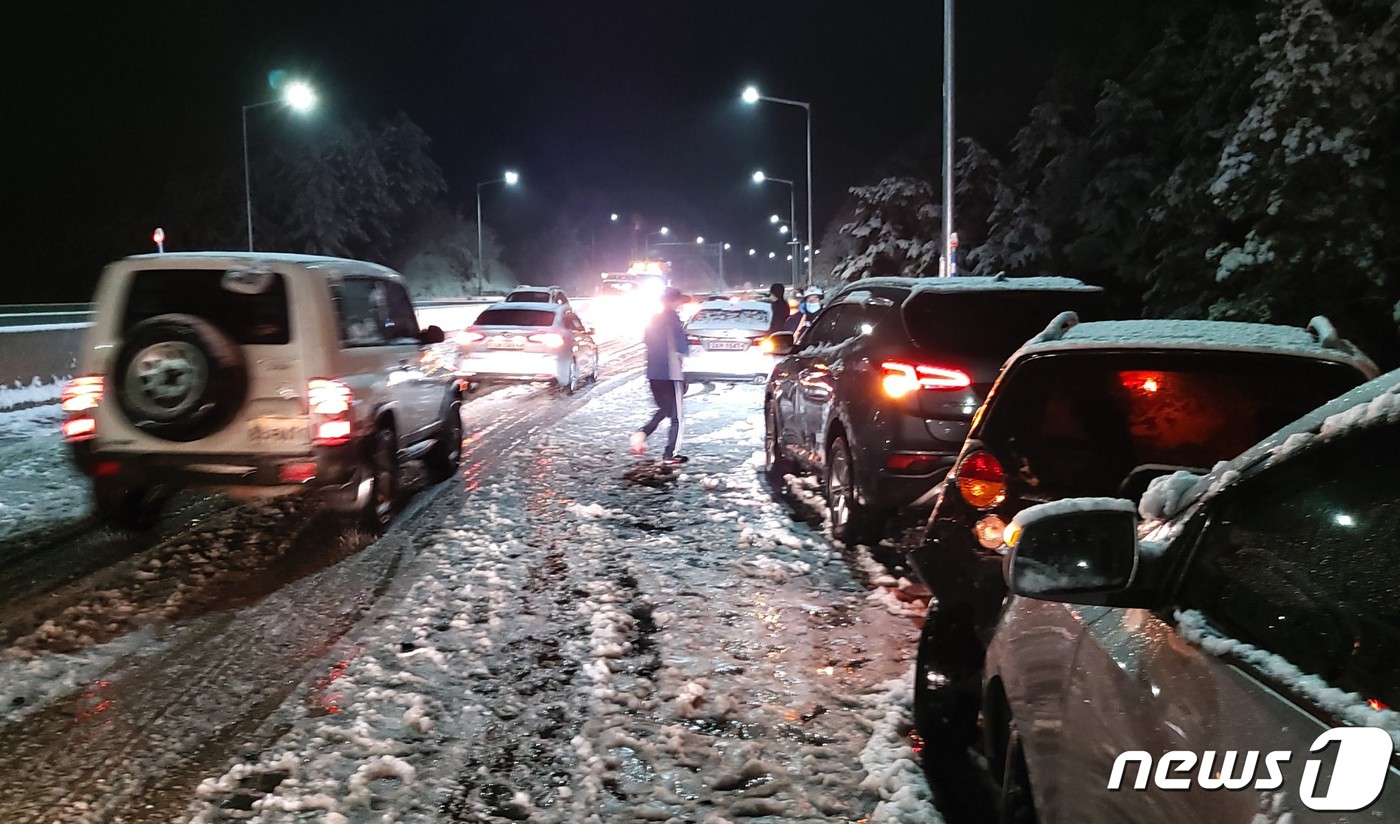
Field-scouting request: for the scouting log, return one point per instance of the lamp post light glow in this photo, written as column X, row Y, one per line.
column 782, row 230
column 699, row 240
column 752, row 96
column 773, row 218
column 772, row 255
column 753, row 252
column 759, row 177
column 297, row 96
column 510, row 179
column 613, row 218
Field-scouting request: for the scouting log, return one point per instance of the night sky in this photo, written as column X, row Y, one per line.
column 626, row 107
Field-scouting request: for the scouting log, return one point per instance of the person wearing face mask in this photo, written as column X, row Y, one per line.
column 806, row 310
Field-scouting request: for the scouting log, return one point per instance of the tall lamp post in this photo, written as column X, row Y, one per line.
column 646, row 241
column 751, row 96
column 760, row 177
column 950, row 238
column 297, row 96
column 510, row 179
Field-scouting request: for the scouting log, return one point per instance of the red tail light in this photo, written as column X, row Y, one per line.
column 899, row 378
column 83, row 394
column 694, row 341
column 328, row 397
column 981, row 480
column 79, row 429
column 553, row 340
column 329, row 404
column 80, row 399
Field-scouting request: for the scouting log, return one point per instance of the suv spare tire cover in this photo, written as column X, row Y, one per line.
column 179, row 378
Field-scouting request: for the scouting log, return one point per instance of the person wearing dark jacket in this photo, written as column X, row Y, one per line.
column 781, row 310
column 667, row 346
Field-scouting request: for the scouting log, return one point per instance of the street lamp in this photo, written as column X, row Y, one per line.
column 699, row 241
column 613, row 218
column 760, row 177
column 751, row 96
column 509, row 179
column 297, row 96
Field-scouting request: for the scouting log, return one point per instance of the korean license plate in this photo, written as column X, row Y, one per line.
column 501, row 342
column 726, row 345
column 289, row 431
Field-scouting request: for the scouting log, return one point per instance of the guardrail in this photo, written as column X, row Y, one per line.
column 25, row 315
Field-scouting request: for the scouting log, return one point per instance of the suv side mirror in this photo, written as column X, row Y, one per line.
column 1077, row 550
column 782, row 343
column 433, row 334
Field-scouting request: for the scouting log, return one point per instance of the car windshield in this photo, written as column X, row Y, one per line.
column 529, row 297
column 515, row 317
column 247, row 318
column 753, row 319
column 1083, row 421
column 991, row 324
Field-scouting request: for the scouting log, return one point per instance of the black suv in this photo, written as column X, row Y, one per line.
column 878, row 392
column 1097, row 409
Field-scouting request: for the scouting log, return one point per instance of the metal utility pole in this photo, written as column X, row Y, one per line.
column 949, row 263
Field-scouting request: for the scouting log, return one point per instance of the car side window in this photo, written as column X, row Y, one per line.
column 1299, row 562
column 361, row 312
column 401, row 325
column 825, row 328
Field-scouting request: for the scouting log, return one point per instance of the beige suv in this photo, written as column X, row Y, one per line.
column 261, row 373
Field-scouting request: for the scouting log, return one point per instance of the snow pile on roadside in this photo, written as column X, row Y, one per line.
column 891, row 766
column 36, row 392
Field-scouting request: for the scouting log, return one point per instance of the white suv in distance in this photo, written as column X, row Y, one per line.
column 257, row 373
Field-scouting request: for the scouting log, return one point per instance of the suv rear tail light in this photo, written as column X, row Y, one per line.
column 553, row 340
column 80, row 399
column 899, row 378
column 83, row 394
column 329, row 404
column 981, row 480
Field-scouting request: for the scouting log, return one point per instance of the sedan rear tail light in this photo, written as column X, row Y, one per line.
column 764, row 344
column 899, row 378
column 329, row 404
column 694, row 341
column 468, row 336
column 981, row 480
column 553, row 340
column 80, row 399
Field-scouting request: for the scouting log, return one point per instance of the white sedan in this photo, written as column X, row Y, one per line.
column 528, row 343
column 729, row 342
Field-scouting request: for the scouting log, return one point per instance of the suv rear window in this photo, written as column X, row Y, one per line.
column 259, row 318
column 1082, row 422
column 992, row 324
column 515, row 317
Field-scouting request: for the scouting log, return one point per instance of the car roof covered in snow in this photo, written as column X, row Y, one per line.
column 1374, row 403
column 231, row 260
column 538, row 306
column 1319, row 340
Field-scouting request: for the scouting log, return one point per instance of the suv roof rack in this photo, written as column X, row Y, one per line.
column 1328, row 337
column 1057, row 328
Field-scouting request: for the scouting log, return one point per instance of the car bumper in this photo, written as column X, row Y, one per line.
column 959, row 571
column 509, row 366
column 728, row 366
column 324, row 466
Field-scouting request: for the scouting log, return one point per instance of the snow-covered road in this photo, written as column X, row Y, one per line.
column 542, row 641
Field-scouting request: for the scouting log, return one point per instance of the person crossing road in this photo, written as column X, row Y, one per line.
column 667, row 346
